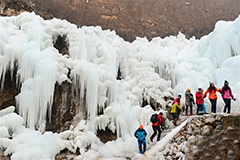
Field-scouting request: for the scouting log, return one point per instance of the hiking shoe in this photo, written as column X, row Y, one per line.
column 151, row 139
column 186, row 114
column 174, row 123
column 178, row 119
column 191, row 114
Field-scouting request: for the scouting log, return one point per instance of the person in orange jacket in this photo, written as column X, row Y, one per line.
column 212, row 96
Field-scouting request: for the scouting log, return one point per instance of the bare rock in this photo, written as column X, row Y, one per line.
column 2, row 157
column 200, row 140
column 219, row 117
column 199, row 123
column 197, row 131
column 206, row 130
column 192, row 139
column 209, row 120
column 218, row 158
column 195, row 150
column 230, row 153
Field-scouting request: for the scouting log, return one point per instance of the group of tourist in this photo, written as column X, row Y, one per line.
column 226, row 95
column 175, row 109
column 200, row 95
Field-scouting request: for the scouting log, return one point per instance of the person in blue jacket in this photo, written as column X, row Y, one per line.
column 140, row 134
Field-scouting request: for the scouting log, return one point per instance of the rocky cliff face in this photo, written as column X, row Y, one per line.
column 130, row 18
column 214, row 137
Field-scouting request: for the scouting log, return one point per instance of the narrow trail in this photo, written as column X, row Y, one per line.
column 165, row 138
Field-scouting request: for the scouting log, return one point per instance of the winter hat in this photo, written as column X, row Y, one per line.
column 226, row 82
column 210, row 82
column 188, row 90
column 161, row 113
column 141, row 126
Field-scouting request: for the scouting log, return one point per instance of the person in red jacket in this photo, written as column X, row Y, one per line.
column 212, row 96
column 199, row 100
column 156, row 127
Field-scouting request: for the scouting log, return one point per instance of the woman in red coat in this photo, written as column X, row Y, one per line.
column 199, row 100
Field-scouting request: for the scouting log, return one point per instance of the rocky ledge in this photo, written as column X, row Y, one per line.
column 210, row 137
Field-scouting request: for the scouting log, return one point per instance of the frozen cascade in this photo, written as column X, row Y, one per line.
column 150, row 70
column 104, row 51
column 41, row 95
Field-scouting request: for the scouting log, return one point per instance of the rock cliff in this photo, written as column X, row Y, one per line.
column 207, row 138
column 132, row 18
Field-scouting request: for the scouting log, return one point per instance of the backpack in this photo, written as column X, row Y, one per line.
column 153, row 118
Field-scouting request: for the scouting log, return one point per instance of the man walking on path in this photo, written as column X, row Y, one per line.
column 174, row 108
column 156, row 126
column 141, row 134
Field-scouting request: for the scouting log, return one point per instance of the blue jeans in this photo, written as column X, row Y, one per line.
column 204, row 108
column 140, row 144
column 199, row 108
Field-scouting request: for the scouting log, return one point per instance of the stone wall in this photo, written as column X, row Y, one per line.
column 211, row 137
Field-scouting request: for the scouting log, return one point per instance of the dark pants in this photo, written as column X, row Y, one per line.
column 178, row 113
column 227, row 105
column 155, row 130
column 199, row 108
column 175, row 117
column 140, row 144
column 190, row 106
column 214, row 104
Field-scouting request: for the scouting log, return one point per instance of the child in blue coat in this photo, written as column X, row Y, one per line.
column 141, row 134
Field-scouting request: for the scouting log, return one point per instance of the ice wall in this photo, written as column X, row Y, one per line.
column 149, row 69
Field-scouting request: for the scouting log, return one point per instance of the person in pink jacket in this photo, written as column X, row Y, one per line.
column 227, row 95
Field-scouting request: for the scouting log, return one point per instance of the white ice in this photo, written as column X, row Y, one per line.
column 149, row 69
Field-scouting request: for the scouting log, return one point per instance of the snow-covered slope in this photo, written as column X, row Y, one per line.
column 150, row 69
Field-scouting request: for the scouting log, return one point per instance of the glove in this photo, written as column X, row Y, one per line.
column 234, row 99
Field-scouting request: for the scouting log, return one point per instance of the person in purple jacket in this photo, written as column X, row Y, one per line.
column 226, row 95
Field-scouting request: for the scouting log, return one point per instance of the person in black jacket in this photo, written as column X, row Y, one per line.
column 156, row 127
column 189, row 101
column 141, row 134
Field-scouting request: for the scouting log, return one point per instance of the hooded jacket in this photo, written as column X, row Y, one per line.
column 226, row 94
column 140, row 134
